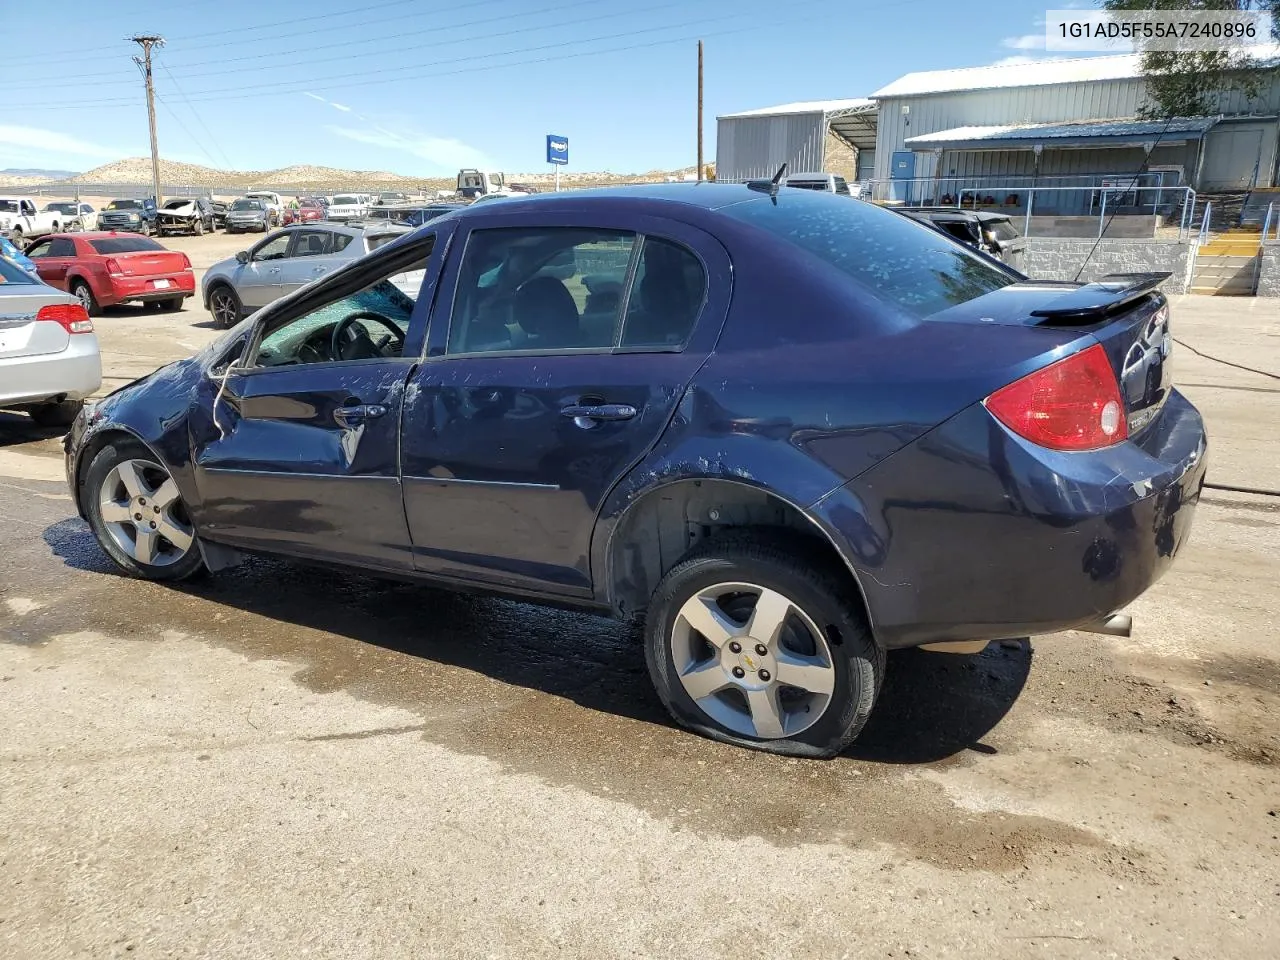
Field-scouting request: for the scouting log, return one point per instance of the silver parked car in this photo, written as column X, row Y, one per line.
column 283, row 262
column 248, row 213
column 49, row 359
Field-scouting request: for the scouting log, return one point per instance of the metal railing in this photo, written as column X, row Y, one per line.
column 935, row 191
column 1267, row 220
column 1204, row 223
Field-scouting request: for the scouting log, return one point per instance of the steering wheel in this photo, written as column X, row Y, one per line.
column 342, row 330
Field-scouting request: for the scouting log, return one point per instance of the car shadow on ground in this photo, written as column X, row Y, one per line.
column 932, row 706
column 18, row 428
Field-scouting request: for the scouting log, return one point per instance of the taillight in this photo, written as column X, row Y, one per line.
column 70, row 316
column 1074, row 404
column 113, row 267
column 186, row 262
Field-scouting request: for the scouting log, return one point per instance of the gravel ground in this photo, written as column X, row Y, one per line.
column 278, row 761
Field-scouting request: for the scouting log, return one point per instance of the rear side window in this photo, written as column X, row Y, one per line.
column 666, row 297
column 1003, row 230
column 340, row 241
column 124, row 245
column 898, row 261
column 555, row 288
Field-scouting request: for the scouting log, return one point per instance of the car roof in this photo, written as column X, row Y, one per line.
column 706, row 195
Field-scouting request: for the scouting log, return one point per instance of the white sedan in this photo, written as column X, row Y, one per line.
column 49, row 359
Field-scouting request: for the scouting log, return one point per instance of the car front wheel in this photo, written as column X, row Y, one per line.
column 754, row 644
column 138, row 516
column 225, row 307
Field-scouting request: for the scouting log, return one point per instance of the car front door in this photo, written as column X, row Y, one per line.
column 260, row 280
column 310, row 258
column 295, row 447
column 558, row 351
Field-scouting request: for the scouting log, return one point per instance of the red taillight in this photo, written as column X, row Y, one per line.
column 186, row 262
column 1074, row 404
column 113, row 268
column 70, row 316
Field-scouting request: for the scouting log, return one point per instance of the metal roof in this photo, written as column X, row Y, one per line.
column 1099, row 133
column 854, row 120
column 1034, row 73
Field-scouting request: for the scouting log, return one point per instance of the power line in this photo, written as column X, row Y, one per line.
column 199, row 144
column 190, row 106
column 405, row 73
column 283, row 64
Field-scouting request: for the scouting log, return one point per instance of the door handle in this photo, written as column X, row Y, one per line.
column 358, row 413
column 273, row 270
column 319, row 269
column 587, row 415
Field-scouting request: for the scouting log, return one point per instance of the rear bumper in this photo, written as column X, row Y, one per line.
column 143, row 289
column 971, row 533
column 75, row 373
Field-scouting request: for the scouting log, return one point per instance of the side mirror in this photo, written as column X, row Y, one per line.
column 242, row 256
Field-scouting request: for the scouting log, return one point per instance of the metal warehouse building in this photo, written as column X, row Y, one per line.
column 942, row 131
column 838, row 136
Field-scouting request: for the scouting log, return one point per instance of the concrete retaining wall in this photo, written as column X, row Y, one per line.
column 1053, row 258
column 1269, row 274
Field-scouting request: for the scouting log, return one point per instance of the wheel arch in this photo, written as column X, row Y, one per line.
column 656, row 529
column 91, row 447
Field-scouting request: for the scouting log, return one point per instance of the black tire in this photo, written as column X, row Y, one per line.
column 172, row 305
column 107, row 459
column 56, row 414
column 224, row 319
column 824, row 595
column 198, row 229
column 84, row 293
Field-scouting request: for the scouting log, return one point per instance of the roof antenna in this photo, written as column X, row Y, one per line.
column 1142, row 168
column 777, row 180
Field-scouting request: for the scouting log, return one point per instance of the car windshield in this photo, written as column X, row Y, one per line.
column 345, row 200
column 12, row 273
column 897, row 260
column 123, row 245
column 247, row 205
column 60, row 208
column 125, row 205
column 176, row 204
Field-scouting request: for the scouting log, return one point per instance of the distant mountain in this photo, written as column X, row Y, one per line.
column 36, row 172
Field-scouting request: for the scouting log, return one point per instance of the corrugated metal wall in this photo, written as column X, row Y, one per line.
column 752, row 147
column 1100, row 100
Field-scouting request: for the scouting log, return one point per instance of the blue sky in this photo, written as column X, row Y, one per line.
column 424, row 87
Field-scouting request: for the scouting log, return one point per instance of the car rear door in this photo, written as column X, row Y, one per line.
column 534, row 400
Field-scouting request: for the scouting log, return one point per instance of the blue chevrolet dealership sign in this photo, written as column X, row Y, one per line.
column 557, row 149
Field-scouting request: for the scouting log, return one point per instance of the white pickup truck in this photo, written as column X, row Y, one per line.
column 22, row 223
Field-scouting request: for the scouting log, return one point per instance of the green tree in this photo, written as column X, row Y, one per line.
column 1188, row 83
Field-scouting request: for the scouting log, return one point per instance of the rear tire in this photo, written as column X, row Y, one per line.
column 127, row 481
column 56, row 414
column 805, row 672
column 199, row 228
column 172, row 305
column 84, row 293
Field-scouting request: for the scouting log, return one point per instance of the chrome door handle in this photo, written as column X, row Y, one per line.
column 594, row 412
column 319, row 269
column 273, row 270
column 359, row 412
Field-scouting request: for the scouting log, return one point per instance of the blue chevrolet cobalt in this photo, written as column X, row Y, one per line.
column 787, row 430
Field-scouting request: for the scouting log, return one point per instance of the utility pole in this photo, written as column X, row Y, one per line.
column 144, row 64
column 700, row 175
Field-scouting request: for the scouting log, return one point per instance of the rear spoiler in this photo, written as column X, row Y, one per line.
column 1102, row 298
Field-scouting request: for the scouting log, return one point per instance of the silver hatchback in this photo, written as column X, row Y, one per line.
column 283, row 262
column 49, row 359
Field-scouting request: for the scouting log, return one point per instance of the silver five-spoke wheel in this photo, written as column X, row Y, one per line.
column 752, row 660
column 143, row 513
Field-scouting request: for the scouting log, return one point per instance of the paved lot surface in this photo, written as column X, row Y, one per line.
column 280, row 762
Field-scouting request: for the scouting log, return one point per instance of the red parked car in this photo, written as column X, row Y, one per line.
column 305, row 213
column 103, row 269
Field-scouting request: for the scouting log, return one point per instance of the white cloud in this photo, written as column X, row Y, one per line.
column 314, row 96
column 1023, row 58
column 442, row 153
column 33, row 140
column 339, row 106
column 1028, row 41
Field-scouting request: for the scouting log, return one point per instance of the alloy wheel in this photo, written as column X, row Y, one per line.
column 752, row 660
column 85, row 296
column 224, row 309
column 143, row 513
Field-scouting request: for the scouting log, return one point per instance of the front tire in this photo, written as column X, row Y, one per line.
column 225, row 306
column 172, row 305
column 753, row 643
column 138, row 516
column 198, row 230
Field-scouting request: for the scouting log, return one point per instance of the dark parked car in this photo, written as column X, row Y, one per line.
column 791, row 431
column 135, row 216
column 992, row 233
column 219, row 208
column 192, row 215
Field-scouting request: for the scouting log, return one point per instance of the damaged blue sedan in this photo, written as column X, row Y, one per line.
column 788, row 430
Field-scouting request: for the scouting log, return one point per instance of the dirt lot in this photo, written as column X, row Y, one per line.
column 283, row 762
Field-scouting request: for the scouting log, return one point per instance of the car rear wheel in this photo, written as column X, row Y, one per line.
column 56, row 414
column 138, row 516
column 754, row 644
column 172, row 305
column 225, row 307
column 82, row 292
column 199, row 228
